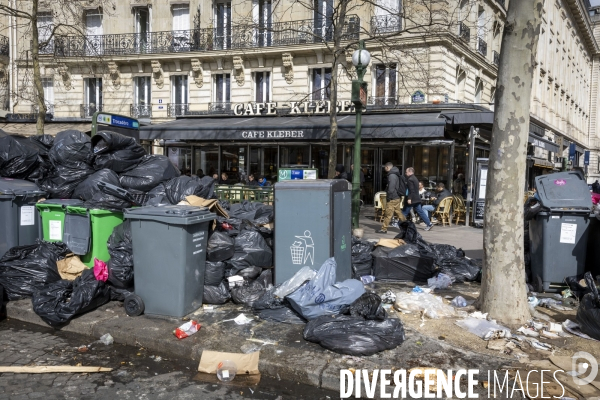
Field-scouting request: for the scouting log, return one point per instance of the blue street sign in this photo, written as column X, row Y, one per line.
column 117, row 120
column 572, row 150
column 297, row 174
column 586, row 157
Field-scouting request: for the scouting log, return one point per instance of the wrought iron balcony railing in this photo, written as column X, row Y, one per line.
column 464, row 32
column 87, row 110
column 495, row 57
column 220, row 108
column 175, row 109
column 382, row 101
column 4, row 48
column 382, row 24
column 140, row 110
column 481, row 47
column 207, row 39
column 35, row 109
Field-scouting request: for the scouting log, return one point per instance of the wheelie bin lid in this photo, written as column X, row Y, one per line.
column 564, row 191
column 62, row 202
column 175, row 215
column 18, row 187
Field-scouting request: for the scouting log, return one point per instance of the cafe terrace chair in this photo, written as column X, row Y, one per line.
column 442, row 213
column 460, row 210
column 380, row 201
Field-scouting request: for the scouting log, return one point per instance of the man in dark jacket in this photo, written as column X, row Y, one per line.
column 441, row 194
column 340, row 172
column 252, row 181
column 395, row 188
column 413, row 200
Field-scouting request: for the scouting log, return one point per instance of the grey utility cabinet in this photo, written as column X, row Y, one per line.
column 20, row 223
column 312, row 224
column 169, row 251
column 559, row 233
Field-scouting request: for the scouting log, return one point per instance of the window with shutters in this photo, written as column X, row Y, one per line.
column 384, row 85
column 320, row 83
column 262, row 92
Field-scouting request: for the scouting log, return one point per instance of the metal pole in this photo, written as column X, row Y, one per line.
column 469, row 182
column 356, row 170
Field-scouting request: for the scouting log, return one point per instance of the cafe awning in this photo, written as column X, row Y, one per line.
column 298, row 128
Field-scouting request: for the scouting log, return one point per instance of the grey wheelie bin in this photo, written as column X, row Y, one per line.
column 19, row 219
column 169, row 252
column 312, row 224
column 559, row 233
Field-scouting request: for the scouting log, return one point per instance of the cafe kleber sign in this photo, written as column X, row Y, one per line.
column 319, row 107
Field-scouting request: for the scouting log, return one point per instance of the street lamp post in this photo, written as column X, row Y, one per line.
column 360, row 59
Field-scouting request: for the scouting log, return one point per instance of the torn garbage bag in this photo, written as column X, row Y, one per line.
column 432, row 306
column 120, row 264
column 89, row 191
column 216, row 294
column 152, row 170
column 214, row 273
column 322, row 295
column 403, row 263
column 355, row 336
column 462, row 269
column 220, row 247
column 116, row 152
column 248, row 293
column 367, row 306
column 72, row 149
column 291, row 285
column 25, row 269
column 58, row 302
column 251, row 250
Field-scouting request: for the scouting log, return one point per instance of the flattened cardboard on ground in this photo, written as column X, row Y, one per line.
column 571, row 388
column 70, row 267
column 391, row 243
column 247, row 364
column 566, row 363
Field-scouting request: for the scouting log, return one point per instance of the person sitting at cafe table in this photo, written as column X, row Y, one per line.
column 441, row 194
column 252, row 181
column 224, row 178
column 263, row 182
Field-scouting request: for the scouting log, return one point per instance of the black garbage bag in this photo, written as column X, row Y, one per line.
column 463, row 269
column 251, row 250
column 248, row 225
column 58, row 302
column 157, row 197
column 443, row 251
column 216, row 294
column 354, row 336
column 120, row 294
column 248, row 293
column 264, row 215
column 89, row 191
column 208, row 187
column 284, row 315
column 531, row 208
column 224, row 203
column 60, row 183
column 362, row 260
column 408, row 232
column 367, row 306
column 72, row 149
column 2, row 304
column 266, row 278
column 244, row 210
column 18, row 158
column 232, row 226
column 43, row 143
column 588, row 313
column 25, row 269
column 120, row 264
column 152, row 170
column 178, row 188
column 403, row 263
column 576, row 288
column 220, row 247
column 116, row 152
column 250, row 273
column 214, row 273
column 268, row 301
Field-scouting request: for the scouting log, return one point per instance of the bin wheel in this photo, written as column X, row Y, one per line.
column 134, row 305
column 538, row 285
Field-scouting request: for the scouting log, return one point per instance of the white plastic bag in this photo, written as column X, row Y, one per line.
column 292, row 284
column 484, row 329
column 433, row 306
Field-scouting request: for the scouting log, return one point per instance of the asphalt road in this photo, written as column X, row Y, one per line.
column 137, row 373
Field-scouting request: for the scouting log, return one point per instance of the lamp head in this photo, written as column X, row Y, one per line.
column 361, row 57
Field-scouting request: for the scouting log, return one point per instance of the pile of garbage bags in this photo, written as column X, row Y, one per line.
column 588, row 313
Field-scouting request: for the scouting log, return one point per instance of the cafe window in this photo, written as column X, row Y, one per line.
column 262, row 88
column 294, row 156
column 320, row 83
column 181, row 157
column 263, row 162
column 222, row 88
column 320, row 159
column 206, row 159
column 233, row 163
column 384, row 85
column 431, row 163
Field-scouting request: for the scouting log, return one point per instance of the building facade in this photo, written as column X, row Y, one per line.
column 229, row 60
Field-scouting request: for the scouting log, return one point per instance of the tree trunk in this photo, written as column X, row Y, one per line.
column 503, row 290
column 339, row 21
column 37, row 76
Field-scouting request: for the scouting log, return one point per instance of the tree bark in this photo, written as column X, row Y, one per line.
column 503, row 290
column 37, row 76
column 339, row 21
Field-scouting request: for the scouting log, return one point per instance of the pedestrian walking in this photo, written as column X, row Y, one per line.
column 395, row 191
column 413, row 199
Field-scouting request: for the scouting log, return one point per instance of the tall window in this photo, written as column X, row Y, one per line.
column 461, row 77
column 221, row 88
column 481, row 24
column 181, row 27
column 48, row 85
column 320, row 83
column 478, row 90
column 262, row 92
column 223, row 25
column 142, row 95
column 384, row 87
column 93, row 29
column 179, row 89
column 45, row 24
column 323, row 20
column 387, row 16
column 93, row 96
column 261, row 16
column 142, row 27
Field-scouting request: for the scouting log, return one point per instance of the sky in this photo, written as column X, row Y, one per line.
column 594, row 3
